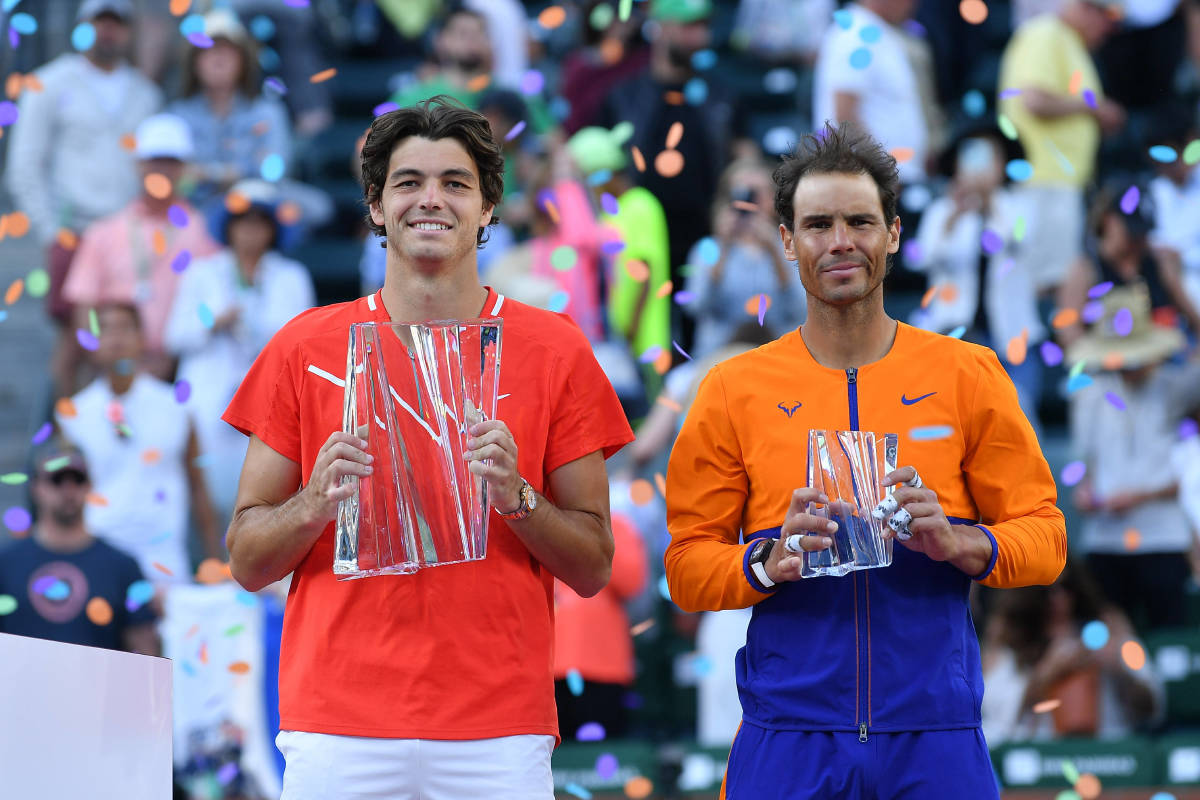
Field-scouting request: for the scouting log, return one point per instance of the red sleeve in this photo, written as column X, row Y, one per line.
column 586, row 414
column 267, row 404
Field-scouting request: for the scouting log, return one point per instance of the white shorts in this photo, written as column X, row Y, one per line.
column 322, row 766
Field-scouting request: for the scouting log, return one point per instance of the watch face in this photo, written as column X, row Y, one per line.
column 760, row 550
column 530, row 497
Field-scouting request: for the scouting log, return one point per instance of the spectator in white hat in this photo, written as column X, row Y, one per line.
column 136, row 255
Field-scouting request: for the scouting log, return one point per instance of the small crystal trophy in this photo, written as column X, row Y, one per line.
column 412, row 392
column 849, row 467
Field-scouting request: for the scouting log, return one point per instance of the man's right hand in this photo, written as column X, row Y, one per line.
column 785, row 566
column 341, row 455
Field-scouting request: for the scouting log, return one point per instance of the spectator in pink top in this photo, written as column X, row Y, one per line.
column 137, row 254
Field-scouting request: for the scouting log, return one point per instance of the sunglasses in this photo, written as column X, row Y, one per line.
column 61, row 476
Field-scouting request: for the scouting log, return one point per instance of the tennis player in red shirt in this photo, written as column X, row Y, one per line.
column 437, row 684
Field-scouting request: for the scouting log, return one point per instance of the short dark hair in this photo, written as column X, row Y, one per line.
column 843, row 149
column 127, row 306
column 440, row 117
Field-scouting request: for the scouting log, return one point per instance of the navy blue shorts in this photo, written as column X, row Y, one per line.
column 797, row 765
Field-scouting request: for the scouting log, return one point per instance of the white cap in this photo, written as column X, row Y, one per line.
column 164, row 136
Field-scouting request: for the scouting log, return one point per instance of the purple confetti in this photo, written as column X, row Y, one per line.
column 1099, row 290
column 609, row 204
column 180, row 262
column 178, row 215
column 43, row 584
column 384, row 108
column 652, row 352
column 86, row 340
column 1188, row 428
column 532, row 82
column 590, row 732
column 1115, row 400
column 1129, row 200
column 1007, row 93
column 183, row 390
column 160, row 496
column 200, row 40
column 545, row 198
column 514, row 131
column 1089, row 97
column 612, row 247
column 17, row 519
column 1073, row 473
column 1091, row 312
column 43, row 433
column 762, row 308
column 1123, row 322
column 1052, row 354
column 684, row 297
column 912, row 252
column 915, row 28
column 680, row 350
column 991, row 241
column 227, row 773
column 8, row 113
column 14, row 38
column 607, row 766
column 296, row 3
column 276, row 85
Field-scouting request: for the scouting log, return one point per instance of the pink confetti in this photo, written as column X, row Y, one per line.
column 1129, row 200
column 86, row 340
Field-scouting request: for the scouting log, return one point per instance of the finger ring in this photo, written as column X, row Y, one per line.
column 886, row 506
column 916, row 482
column 792, row 544
column 899, row 524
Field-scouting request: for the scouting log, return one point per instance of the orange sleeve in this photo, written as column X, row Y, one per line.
column 707, row 487
column 1012, row 486
column 629, row 559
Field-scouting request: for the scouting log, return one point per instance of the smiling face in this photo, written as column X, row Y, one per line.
column 431, row 205
column 840, row 238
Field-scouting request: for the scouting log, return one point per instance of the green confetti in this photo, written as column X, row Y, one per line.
column 563, row 258
column 1191, row 153
column 235, row 630
column 1077, row 368
column 93, row 322
column 625, row 8
column 1067, row 794
column 601, row 17
column 124, row 430
column 8, row 604
column 37, row 283
column 14, row 478
column 1070, row 772
column 1006, row 126
column 1019, row 229
column 55, row 464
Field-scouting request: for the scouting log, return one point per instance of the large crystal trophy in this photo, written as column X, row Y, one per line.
column 849, row 467
column 412, row 392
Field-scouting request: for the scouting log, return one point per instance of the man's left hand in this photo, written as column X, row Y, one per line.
column 493, row 440
column 932, row 533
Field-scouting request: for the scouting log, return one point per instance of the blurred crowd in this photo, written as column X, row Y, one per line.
column 165, row 157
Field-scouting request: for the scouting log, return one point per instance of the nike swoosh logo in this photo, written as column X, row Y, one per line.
column 908, row 402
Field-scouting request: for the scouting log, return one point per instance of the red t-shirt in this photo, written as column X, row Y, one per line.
column 461, row 651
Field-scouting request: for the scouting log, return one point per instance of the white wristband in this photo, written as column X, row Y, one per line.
column 760, row 572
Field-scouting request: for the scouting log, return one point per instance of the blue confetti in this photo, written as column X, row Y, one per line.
column 974, row 103
column 664, row 590
column 870, row 34
column 23, row 23
column 574, row 682
column 247, row 599
column 708, row 251
column 1094, row 635
column 958, row 332
column 9, row 5
column 138, row 594
column 576, row 790
column 860, row 58
column 695, row 91
column 192, row 23
column 599, row 178
column 57, row 591
column 1019, row 170
column 262, row 28
column 843, row 18
column 930, row 432
column 704, row 59
column 272, row 167
column 83, row 37
column 558, row 301
column 268, row 59
column 1163, row 154
column 1077, row 382
column 205, row 314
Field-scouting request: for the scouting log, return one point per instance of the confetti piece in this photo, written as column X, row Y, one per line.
column 1091, row 311
column 607, row 765
column 17, row 224
column 288, row 213
column 1007, row 93
column 667, row 402
column 158, row 243
column 1133, row 655
column 674, row 135
column 590, row 732
column 1191, row 153
column 1100, row 289
column 43, row 433
column 673, row 98
column 1123, row 322
column 695, row 91
column 1046, row 705
column 17, row 519
column 763, row 301
column 65, row 408
column 1089, row 97
column 58, row 591
column 551, row 17
column 599, row 177
column 1115, row 400
column 1076, row 82
column 704, row 60
column 234, row 630
column 323, row 75
column 638, row 788
column 181, row 261
column 1052, row 354
column 22, row 23
column 649, row 354
column 637, row 270
column 991, row 241
column 14, row 291
column 163, row 569
column 558, row 301
column 201, row 40
column 1017, row 350
column 86, row 340
column 239, row 667
column 179, row 7
column 8, row 604
column 860, row 58
column 1162, row 796
column 272, row 168
column 479, row 83
column 575, row 790
column 680, row 350
column 602, row 16
column 192, row 23
column 927, row 298
column 683, row 297
column 609, row 204
column 514, row 131
column 1077, row 382
column 575, row 682
column 973, row 11
column 275, row 85
column 665, row 289
column 128, row 142
column 641, row 627
column 157, row 185
column 99, row 611
column 974, row 103
column 383, row 108
column 1188, row 428
column 532, row 82
column 641, row 492
column 902, row 154
column 1129, row 200
column 755, row 301
column 664, row 589
column 563, row 258
column 138, row 594
column 83, row 36
column 660, row 483
column 1095, row 636
column 1132, row 538
column 206, row 315
column 67, row 239
column 1088, row 786
column 1064, row 318
column 1006, row 127
column 930, row 433
column 639, row 161
column 958, row 332
column 1018, row 170
column 1163, row 154
column 97, row 499
column 669, row 163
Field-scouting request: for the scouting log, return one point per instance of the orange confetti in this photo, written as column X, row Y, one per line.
column 902, row 154
column 14, row 291
column 1017, row 350
column 179, row 7
column 165, row 570
column 1076, row 82
column 639, row 160
column 17, row 224
column 237, row 203
column 661, row 483
column 611, row 51
column 673, row 98
column 202, row 656
column 552, row 17
column 1112, row 361
column 96, row 499
column 213, row 571
column 479, row 83
column 552, row 211
column 1088, row 786
column 1064, row 318
column 637, row 270
column 927, row 298
column 674, row 134
column 1046, row 705
column 66, row 239
column 663, row 362
column 323, row 75
column 973, row 11
column 663, row 400
column 158, row 242
column 32, row 83
column 288, row 213
column 65, row 408
column 99, row 611
column 665, row 289
column 239, row 668
column 1133, row 655
column 151, row 456
column 948, row 293
column 641, row 492
column 641, row 627
column 638, row 788
column 260, row 128
column 752, row 304
column 1133, row 538
column 12, row 85
column 3, row 223
column 192, row 631
column 129, row 142
column 158, row 185
column 669, row 163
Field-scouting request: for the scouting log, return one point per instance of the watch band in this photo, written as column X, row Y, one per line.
column 524, row 508
column 758, row 562
column 760, row 572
